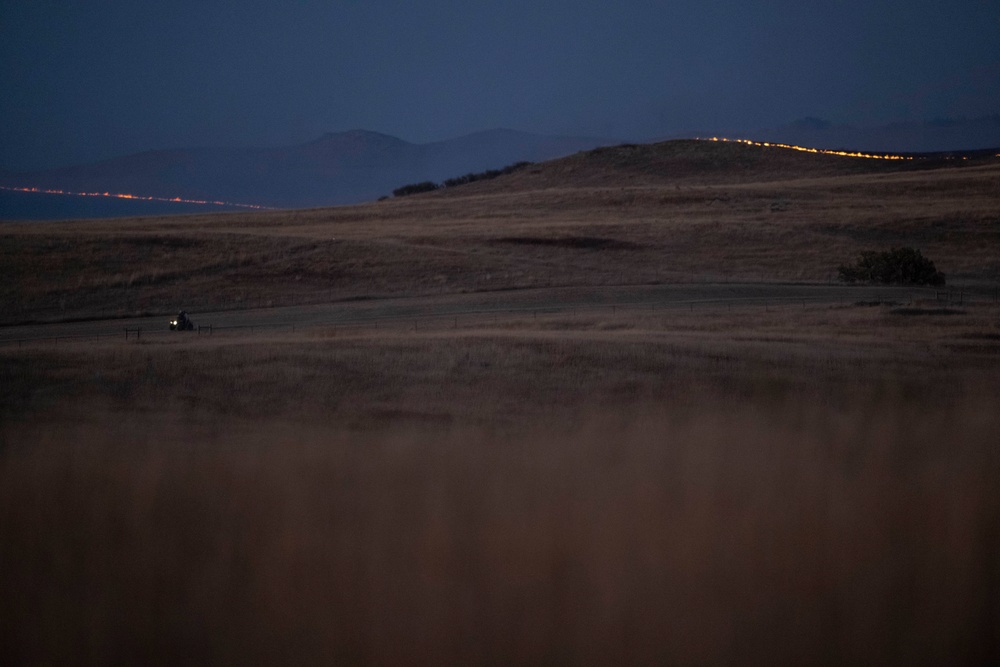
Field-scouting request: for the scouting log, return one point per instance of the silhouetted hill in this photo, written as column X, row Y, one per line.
column 338, row 168
column 695, row 162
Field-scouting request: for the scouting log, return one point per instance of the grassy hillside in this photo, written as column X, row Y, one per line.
column 677, row 211
column 758, row 483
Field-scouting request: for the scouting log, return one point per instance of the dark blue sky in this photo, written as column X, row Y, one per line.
column 88, row 79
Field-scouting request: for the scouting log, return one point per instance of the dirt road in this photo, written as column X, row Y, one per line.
column 549, row 300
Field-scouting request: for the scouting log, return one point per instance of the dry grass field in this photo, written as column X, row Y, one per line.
column 792, row 483
column 613, row 216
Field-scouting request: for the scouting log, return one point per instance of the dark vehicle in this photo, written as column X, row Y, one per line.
column 182, row 323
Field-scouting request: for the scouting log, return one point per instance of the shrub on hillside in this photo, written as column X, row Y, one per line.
column 428, row 186
column 899, row 266
column 414, row 188
column 484, row 175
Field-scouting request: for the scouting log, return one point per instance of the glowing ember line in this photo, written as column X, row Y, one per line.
column 821, row 151
column 119, row 195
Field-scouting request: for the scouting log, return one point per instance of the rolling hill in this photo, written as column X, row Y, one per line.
column 678, row 163
column 679, row 211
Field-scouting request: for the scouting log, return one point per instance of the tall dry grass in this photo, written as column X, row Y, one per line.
column 788, row 485
column 755, row 532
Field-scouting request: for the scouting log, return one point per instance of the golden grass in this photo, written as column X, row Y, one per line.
column 789, row 484
column 489, row 370
column 757, row 533
column 794, row 229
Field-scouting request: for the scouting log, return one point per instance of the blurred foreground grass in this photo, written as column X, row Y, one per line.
column 794, row 486
column 740, row 533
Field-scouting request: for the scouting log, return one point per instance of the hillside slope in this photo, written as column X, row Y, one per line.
column 678, row 212
column 698, row 162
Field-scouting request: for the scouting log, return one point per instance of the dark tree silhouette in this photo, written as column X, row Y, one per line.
column 415, row 188
column 428, row 186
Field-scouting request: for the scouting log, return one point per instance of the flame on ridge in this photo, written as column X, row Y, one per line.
column 179, row 200
column 821, row 151
column 120, row 195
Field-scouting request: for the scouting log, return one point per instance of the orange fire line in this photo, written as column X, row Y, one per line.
column 118, row 195
column 178, row 200
column 821, row 151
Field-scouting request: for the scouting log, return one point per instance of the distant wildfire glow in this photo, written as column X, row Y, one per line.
column 822, row 151
column 119, row 195
column 179, row 200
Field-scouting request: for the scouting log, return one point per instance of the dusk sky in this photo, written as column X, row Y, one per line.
column 85, row 80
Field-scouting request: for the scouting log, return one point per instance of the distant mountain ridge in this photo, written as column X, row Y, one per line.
column 362, row 165
column 337, row 168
